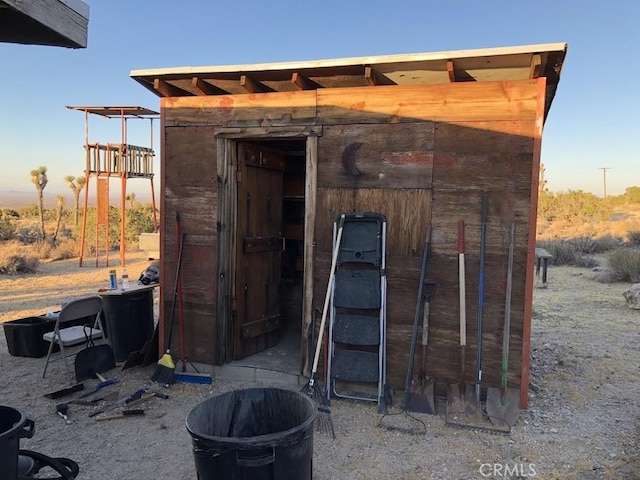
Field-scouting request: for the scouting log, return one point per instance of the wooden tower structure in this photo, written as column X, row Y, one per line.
column 119, row 160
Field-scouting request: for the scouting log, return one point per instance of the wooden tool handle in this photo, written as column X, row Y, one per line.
column 122, row 414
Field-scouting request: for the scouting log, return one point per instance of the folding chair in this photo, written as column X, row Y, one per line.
column 76, row 334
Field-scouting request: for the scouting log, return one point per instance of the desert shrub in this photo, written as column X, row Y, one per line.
column 583, row 244
column 65, row 248
column 572, row 252
column 563, row 252
column 585, row 261
column 634, row 237
column 9, row 213
column 13, row 263
column 139, row 220
column 606, row 243
column 30, row 211
column 624, row 265
column 42, row 249
column 7, row 229
column 28, row 235
column 590, row 245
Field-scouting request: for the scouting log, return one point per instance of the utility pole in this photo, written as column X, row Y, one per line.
column 604, row 179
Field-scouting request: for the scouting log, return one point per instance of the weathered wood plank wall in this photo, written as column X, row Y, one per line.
column 190, row 178
column 427, row 154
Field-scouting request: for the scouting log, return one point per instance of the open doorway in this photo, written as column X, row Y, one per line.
column 268, row 317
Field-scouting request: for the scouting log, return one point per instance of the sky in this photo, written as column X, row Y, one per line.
column 593, row 122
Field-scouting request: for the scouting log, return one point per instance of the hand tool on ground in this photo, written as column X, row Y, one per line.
column 111, row 396
column 62, row 409
column 503, row 403
column 456, row 391
column 100, row 386
column 65, row 391
column 312, row 389
column 120, row 403
column 122, row 414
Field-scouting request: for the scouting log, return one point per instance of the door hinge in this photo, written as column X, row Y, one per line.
column 234, row 304
column 238, row 176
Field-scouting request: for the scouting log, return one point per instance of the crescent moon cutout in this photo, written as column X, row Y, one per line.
column 349, row 158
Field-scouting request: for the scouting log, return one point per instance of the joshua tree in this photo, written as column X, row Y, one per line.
column 39, row 179
column 76, row 185
column 59, row 212
column 131, row 197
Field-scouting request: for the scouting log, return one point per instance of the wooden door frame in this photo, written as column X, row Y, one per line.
column 227, row 163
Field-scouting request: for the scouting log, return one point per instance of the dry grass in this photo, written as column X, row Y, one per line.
column 15, row 259
column 624, row 266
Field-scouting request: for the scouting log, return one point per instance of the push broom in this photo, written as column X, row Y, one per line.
column 165, row 369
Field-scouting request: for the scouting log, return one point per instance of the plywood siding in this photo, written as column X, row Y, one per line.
column 255, row 110
column 189, row 171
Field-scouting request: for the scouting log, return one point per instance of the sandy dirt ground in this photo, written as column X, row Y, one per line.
column 583, row 421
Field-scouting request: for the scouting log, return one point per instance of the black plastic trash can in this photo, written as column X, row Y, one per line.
column 14, row 425
column 128, row 319
column 253, row 433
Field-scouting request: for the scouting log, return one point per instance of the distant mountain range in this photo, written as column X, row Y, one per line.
column 17, row 199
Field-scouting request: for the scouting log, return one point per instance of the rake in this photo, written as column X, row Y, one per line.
column 324, row 423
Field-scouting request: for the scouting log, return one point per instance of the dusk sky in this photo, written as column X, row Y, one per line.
column 593, row 122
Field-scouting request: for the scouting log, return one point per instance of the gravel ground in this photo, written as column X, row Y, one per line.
column 583, row 420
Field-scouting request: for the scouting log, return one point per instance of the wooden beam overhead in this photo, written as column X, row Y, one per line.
column 205, row 88
column 374, row 77
column 451, row 71
column 254, row 86
column 165, row 89
column 536, row 64
column 303, row 83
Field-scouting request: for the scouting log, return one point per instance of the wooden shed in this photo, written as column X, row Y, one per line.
column 259, row 159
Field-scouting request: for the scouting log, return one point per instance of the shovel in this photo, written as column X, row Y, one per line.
column 456, row 391
column 421, row 398
column 503, row 403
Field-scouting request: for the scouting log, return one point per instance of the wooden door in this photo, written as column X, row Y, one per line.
column 257, row 317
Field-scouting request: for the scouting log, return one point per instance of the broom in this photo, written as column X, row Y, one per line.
column 165, row 368
column 312, row 389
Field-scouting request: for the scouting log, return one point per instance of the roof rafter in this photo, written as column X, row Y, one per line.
column 304, row 83
column 253, row 86
column 374, row 77
column 451, row 71
column 167, row 90
column 536, row 66
column 205, row 88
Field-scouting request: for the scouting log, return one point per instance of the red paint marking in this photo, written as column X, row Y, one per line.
column 408, row 158
column 443, row 159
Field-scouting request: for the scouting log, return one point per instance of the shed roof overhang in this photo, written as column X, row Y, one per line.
column 481, row 65
column 61, row 23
